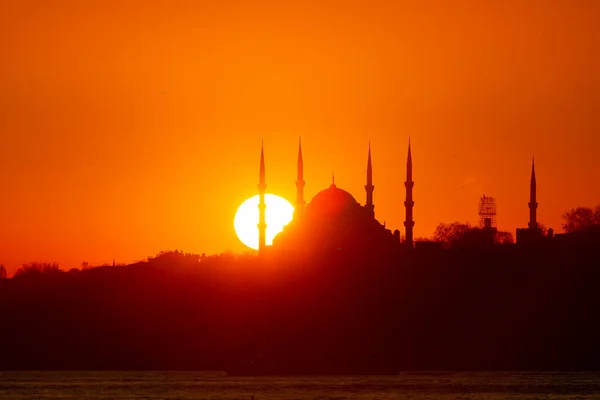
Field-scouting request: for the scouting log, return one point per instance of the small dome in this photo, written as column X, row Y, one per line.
column 332, row 201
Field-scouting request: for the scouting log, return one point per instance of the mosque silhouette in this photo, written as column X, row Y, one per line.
column 334, row 220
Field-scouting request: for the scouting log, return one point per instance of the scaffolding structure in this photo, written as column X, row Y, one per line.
column 487, row 212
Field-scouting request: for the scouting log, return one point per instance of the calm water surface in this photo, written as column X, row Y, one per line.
column 207, row 385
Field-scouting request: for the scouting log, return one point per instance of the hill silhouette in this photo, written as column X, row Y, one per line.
column 466, row 307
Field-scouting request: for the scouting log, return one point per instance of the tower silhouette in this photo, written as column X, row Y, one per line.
column 533, row 199
column 262, row 186
column 369, row 187
column 532, row 233
column 300, row 204
column 409, row 203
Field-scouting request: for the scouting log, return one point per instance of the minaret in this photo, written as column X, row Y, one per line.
column 300, row 204
column 533, row 199
column 369, row 187
column 262, row 224
column 409, row 203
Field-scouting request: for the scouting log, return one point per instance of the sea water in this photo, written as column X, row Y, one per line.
column 105, row 385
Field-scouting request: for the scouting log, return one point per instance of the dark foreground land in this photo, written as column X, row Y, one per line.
column 496, row 308
column 206, row 385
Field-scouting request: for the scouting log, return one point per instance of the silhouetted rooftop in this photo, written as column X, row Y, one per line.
column 332, row 200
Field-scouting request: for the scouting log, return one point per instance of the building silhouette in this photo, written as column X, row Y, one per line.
column 262, row 187
column 369, row 188
column 487, row 213
column 300, row 203
column 335, row 221
column 409, row 223
column 533, row 199
column 533, row 232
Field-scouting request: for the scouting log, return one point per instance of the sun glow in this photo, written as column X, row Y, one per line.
column 278, row 213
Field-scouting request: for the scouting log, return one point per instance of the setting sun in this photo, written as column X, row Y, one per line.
column 279, row 213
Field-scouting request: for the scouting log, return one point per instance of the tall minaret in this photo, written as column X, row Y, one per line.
column 533, row 199
column 409, row 203
column 299, row 210
column 262, row 224
column 369, row 187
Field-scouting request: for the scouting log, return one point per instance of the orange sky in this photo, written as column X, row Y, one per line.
column 131, row 127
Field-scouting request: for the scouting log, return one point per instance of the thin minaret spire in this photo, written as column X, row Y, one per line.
column 369, row 186
column 409, row 203
column 533, row 199
column 300, row 204
column 262, row 186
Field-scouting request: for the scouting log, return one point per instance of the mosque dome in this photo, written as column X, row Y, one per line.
column 332, row 200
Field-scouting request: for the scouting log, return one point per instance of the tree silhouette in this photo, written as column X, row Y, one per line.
column 543, row 228
column 37, row 268
column 459, row 234
column 582, row 219
column 504, row 238
column 2, row 272
column 450, row 234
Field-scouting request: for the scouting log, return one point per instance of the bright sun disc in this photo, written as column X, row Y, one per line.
column 278, row 213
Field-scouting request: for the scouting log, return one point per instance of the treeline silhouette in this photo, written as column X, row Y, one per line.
column 464, row 307
column 501, row 308
column 582, row 219
column 458, row 234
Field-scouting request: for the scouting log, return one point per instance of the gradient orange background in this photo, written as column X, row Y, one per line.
column 131, row 127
